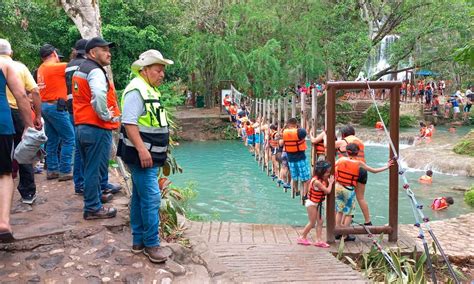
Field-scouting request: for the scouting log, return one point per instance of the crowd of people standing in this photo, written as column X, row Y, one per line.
column 76, row 105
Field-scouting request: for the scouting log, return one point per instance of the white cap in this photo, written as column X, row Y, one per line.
column 148, row 58
column 5, row 47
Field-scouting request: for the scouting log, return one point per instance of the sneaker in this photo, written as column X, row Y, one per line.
column 155, row 254
column 286, row 185
column 368, row 223
column 297, row 193
column 106, row 197
column 65, row 177
column 52, row 175
column 103, row 213
column 112, row 188
column 136, row 249
column 279, row 182
column 30, row 199
column 38, row 170
column 338, row 237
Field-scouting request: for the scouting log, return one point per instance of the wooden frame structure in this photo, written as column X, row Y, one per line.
column 392, row 228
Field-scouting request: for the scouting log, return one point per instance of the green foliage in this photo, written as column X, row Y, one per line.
column 469, row 196
column 226, row 131
column 371, row 117
column 466, row 145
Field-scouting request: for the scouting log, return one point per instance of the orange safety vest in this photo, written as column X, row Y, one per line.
column 320, row 149
column 233, row 110
column 273, row 140
column 316, row 195
column 291, row 141
column 84, row 113
column 249, row 130
column 442, row 204
column 352, row 139
column 347, row 171
column 426, row 179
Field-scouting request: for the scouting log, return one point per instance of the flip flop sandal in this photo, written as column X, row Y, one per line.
column 6, row 237
column 322, row 245
column 303, row 242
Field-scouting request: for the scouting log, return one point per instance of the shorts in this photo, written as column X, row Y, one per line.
column 233, row 118
column 6, row 152
column 404, row 93
column 421, row 93
column 456, row 109
column 435, row 108
column 467, row 108
column 362, row 176
column 345, row 200
column 299, row 170
column 258, row 138
column 321, row 157
column 251, row 140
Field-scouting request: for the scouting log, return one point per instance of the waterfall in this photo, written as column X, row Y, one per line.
column 379, row 61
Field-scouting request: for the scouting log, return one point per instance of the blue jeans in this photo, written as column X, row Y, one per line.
column 145, row 206
column 78, row 170
column 59, row 130
column 94, row 147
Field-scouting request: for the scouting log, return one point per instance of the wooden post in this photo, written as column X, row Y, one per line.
column 279, row 113
column 393, row 187
column 314, row 127
column 293, row 106
column 331, row 132
column 285, row 110
column 303, row 110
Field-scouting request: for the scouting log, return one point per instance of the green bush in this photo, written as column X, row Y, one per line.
column 469, row 196
column 371, row 117
column 466, row 145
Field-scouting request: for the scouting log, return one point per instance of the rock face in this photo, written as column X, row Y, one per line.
column 466, row 145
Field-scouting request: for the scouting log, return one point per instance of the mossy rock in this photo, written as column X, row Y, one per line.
column 466, row 145
column 469, row 197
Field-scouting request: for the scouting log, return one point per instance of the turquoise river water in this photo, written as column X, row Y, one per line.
column 231, row 187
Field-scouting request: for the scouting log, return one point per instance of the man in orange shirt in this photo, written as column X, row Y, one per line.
column 58, row 127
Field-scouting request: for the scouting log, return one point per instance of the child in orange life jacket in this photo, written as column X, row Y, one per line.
column 273, row 138
column 294, row 139
column 441, row 203
column 427, row 178
column 319, row 186
column 348, row 171
column 250, row 133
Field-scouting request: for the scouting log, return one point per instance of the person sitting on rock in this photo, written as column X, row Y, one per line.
column 441, row 203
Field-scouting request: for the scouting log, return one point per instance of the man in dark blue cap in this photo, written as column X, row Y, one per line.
column 79, row 56
column 96, row 114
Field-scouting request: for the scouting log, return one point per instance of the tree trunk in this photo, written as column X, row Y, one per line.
column 86, row 16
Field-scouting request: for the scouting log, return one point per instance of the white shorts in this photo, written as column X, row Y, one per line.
column 308, row 203
column 456, row 109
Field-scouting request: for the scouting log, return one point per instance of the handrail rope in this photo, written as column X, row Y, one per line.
column 414, row 203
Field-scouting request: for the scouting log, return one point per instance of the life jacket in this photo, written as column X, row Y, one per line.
column 152, row 126
column 249, row 130
column 233, row 110
column 442, row 204
column 320, row 149
column 291, row 141
column 316, row 195
column 428, row 132
column 273, row 139
column 423, row 131
column 425, row 179
column 347, row 172
column 352, row 139
column 84, row 113
column 379, row 125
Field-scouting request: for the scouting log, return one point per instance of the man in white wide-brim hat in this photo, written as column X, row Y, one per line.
column 143, row 146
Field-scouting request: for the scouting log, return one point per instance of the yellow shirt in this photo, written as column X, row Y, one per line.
column 25, row 77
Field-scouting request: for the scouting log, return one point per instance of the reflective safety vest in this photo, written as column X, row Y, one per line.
column 84, row 113
column 442, row 204
column 320, row 149
column 347, row 172
column 273, row 139
column 152, row 125
column 315, row 194
column 352, row 139
column 291, row 141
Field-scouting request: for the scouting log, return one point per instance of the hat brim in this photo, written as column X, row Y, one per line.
column 140, row 63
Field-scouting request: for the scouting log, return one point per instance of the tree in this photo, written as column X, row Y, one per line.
column 86, row 15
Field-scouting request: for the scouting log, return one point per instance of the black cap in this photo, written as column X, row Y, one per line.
column 96, row 42
column 80, row 46
column 47, row 49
